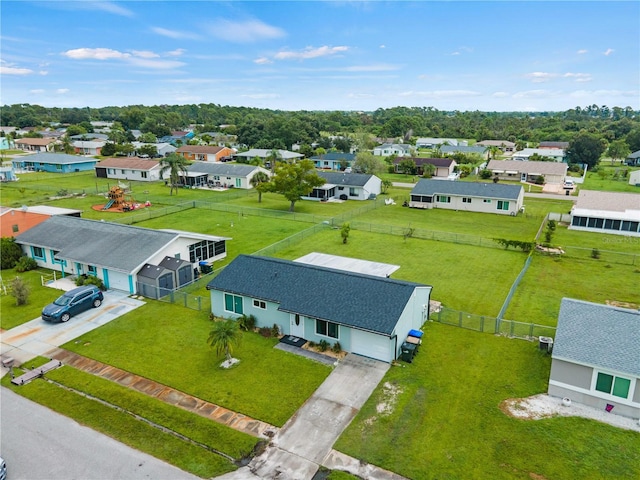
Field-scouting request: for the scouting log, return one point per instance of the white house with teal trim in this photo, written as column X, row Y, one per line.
column 367, row 314
column 596, row 357
column 113, row 252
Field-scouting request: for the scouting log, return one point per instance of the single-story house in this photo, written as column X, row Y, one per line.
column 163, row 149
column 607, row 212
column 7, row 174
column 633, row 160
column 553, row 172
column 466, row 150
column 6, row 143
column 264, row 153
column 129, row 168
column 367, row 314
column 555, row 154
column 634, row 178
column 90, row 136
column 35, row 144
column 334, row 160
column 430, row 142
column 468, row 196
column 88, row 147
column 14, row 221
column 388, row 149
column 226, row 175
column 54, row 162
column 505, row 145
column 443, row 166
column 556, row 145
column 346, row 186
column 205, row 153
column 113, row 252
column 595, row 359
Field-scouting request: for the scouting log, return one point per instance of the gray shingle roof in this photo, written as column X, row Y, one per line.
column 221, row 169
column 598, row 335
column 340, row 178
column 470, row 189
column 56, row 158
column 361, row 301
column 111, row 245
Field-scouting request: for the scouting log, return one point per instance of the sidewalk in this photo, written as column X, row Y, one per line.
column 167, row 394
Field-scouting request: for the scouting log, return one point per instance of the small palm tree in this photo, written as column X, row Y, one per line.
column 224, row 335
column 173, row 164
column 258, row 182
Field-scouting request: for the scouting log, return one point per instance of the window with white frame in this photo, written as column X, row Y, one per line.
column 260, row 304
column 613, row 385
column 443, row 199
column 233, row 303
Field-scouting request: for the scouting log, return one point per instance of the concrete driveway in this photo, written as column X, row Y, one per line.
column 305, row 441
column 37, row 337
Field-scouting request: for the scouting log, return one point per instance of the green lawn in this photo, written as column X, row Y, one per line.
column 607, row 181
column 167, row 343
column 39, row 296
column 441, row 418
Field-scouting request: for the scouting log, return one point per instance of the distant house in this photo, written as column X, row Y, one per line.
column 225, row 175
column 596, row 357
column 35, row 144
column 6, row 143
column 205, row 153
column 634, row 178
column 514, row 170
column 554, row 145
column 346, row 186
column 264, row 153
column 555, row 154
column 14, row 221
column 129, row 168
column 113, row 252
column 367, row 314
column 468, row 196
column 54, row 162
column 504, row 145
column 88, row 147
column 633, row 160
column 90, row 136
column 443, row 166
column 163, row 149
column 334, row 160
column 430, row 142
column 474, row 150
column 7, row 174
column 607, row 212
column 388, row 149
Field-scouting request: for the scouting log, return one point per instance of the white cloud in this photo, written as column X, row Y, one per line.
column 43, row 72
column 262, row 61
column 36, row 91
column 175, row 34
column 500, row 94
column 579, row 77
column 539, row 77
column 247, row 31
column 582, row 51
column 145, row 54
column 462, row 50
column 383, row 46
column 145, row 59
column 608, row 52
column 95, row 54
column 309, row 52
column 7, row 70
column 440, row 93
column 532, row 94
column 178, row 52
column 62, row 91
column 108, row 7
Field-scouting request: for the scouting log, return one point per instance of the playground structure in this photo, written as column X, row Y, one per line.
column 121, row 200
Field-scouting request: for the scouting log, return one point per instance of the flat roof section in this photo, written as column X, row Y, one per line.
column 348, row 264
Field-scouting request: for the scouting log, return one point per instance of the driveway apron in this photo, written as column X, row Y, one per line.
column 302, row 445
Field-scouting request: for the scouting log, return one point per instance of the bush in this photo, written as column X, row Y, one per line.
column 20, row 291
column 485, row 174
column 25, row 264
column 595, row 253
column 247, row 322
column 10, row 253
column 275, row 330
column 323, row 345
column 85, row 279
column 337, row 348
column 265, row 332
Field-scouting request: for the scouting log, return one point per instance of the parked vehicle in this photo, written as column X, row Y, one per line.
column 3, row 469
column 72, row 303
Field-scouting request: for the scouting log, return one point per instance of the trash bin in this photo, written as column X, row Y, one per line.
column 408, row 351
column 205, row 268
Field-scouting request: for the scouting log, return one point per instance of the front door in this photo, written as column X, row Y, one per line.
column 296, row 328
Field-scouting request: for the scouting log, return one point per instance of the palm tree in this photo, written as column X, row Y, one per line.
column 258, row 182
column 224, row 335
column 173, row 164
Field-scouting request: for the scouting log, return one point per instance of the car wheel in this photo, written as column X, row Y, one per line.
column 65, row 317
column 97, row 302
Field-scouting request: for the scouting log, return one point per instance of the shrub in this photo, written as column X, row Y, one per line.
column 85, row 279
column 247, row 322
column 323, row 345
column 337, row 348
column 595, row 253
column 485, row 174
column 312, row 344
column 10, row 253
column 275, row 330
column 265, row 332
column 20, row 291
column 25, row 264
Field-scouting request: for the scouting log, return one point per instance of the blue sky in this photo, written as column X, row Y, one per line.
column 342, row 55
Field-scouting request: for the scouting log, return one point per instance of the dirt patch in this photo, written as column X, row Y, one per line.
column 386, row 406
column 328, row 352
column 615, row 303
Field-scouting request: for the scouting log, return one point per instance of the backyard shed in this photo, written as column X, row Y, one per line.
column 155, row 281
column 182, row 270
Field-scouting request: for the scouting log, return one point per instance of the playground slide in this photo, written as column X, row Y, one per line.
column 108, row 205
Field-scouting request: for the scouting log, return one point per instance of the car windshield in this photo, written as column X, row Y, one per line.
column 62, row 300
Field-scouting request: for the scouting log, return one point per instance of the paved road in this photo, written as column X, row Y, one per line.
column 39, row 444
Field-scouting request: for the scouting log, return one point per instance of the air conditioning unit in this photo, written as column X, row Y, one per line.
column 545, row 343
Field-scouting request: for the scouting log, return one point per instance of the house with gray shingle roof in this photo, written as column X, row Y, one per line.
column 633, row 159
column 368, row 315
column 443, row 167
column 465, row 150
column 596, row 357
column 225, row 175
column 334, row 160
column 53, row 162
column 468, row 196
column 346, row 186
column 113, row 252
column 607, row 212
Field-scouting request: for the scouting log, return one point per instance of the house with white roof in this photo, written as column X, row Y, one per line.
column 517, row 171
column 346, row 186
column 264, row 153
column 430, row 142
column 607, row 212
column 595, row 359
column 555, row 154
column 397, row 149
